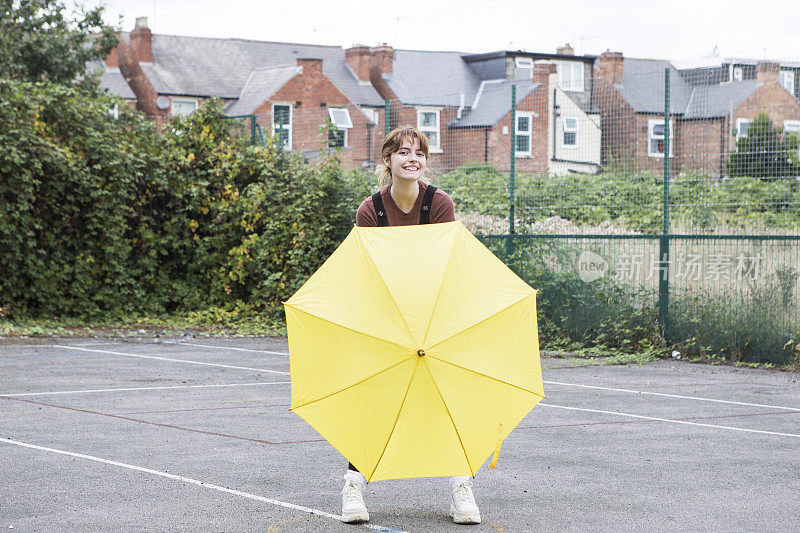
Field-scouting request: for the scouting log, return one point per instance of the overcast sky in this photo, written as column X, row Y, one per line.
column 689, row 32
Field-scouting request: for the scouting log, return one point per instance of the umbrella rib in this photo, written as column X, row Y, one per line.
column 349, row 328
column 337, row 391
column 391, row 296
column 453, row 422
column 439, row 292
column 480, row 322
column 485, row 375
column 396, row 418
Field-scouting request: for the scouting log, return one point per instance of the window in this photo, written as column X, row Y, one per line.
column 371, row 114
column 282, row 124
column 522, row 141
column 655, row 138
column 737, row 73
column 523, row 68
column 787, row 80
column 791, row 126
column 341, row 123
column 183, row 106
column 428, row 123
column 741, row 127
column 570, row 76
column 570, row 132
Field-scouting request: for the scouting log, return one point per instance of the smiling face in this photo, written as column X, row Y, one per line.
column 408, row 162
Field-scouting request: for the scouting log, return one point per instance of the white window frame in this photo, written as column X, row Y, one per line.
column 651, row 136
column 371, row 114
column 566, row 129
column 287, row 126
column 434, row 148
column 739, row 122
column 528, row 134
column 571, row 83
column 791, row 126
column 523, row 68
column 786, row 78
column 343, row 126
column 737, row 73
column 176, row 100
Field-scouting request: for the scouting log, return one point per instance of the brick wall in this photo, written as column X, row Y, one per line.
column 702, row 146
column 310, row 94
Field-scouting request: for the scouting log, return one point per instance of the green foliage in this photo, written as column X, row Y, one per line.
column 111, row 218
column 39, row 40
column 765, row 152
column 634, row 202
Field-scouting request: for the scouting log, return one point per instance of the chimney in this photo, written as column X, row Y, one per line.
column 358, row 57
column 382, row 59
column 610, row 66
column 565, row 50
column 767, row 72
column 310, row 65
column 542, row 71
column 142, row 41
column 112, row 59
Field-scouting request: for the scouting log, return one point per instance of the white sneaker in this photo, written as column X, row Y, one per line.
column 463, row 508
column 353, row 507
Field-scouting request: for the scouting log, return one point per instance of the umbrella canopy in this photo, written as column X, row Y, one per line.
column 414, row 351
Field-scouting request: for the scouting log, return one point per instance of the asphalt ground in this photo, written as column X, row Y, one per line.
column 195, row 435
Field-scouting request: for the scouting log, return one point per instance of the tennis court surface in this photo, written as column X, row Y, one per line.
column 195, row 435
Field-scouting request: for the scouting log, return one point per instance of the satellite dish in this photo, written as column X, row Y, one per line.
column 162, row 102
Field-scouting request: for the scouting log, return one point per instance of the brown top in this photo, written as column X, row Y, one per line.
column 442, row 209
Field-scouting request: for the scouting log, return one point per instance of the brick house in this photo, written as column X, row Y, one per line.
column 293, row 89
column 463, row 102
column 705, row 120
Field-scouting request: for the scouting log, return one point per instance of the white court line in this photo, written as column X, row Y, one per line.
column 698, row 398
column 50, row 393
column 188, row 480
column 172, row 360
column 671, row 420
column 662, row 394
column 229, row 348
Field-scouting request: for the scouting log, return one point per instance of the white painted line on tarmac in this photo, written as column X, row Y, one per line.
column 230, row 348
column 663, row 394
column 171, row 359
column 86, row 391
column 671, row 420
column 188, row 480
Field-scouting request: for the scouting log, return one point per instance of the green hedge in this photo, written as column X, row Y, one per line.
column 105, row 217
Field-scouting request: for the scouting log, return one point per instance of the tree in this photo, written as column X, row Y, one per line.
column 39, row 40
column 765, row 152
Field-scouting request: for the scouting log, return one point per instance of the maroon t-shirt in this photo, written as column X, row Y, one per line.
column 442, row 209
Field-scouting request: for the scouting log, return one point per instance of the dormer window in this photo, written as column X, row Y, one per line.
column 570, row 76
column 523, row 68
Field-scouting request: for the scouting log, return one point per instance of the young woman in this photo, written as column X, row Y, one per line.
column 406, row 198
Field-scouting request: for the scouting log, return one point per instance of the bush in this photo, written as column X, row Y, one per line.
column 106, row 218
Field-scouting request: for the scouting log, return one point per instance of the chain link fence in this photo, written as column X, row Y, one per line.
column 648, row 200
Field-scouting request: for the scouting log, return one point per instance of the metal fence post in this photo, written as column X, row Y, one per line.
column 663, row 255
column 512, row 170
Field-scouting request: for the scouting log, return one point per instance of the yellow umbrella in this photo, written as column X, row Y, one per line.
column 414, row 351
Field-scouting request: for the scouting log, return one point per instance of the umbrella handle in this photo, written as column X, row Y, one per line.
column 496, row 454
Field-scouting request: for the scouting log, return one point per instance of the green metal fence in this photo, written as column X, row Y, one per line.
column 654, row 242
column 653, row 205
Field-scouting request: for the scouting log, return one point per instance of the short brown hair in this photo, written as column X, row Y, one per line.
column 392, row 143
